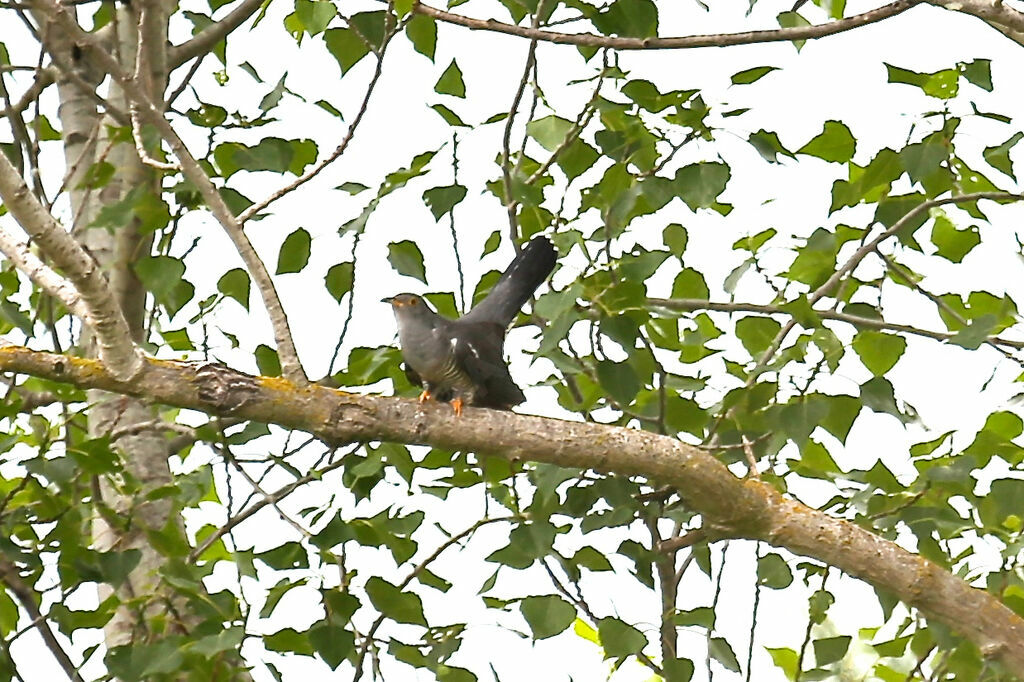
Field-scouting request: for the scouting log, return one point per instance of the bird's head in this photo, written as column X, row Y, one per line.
column 409, row 306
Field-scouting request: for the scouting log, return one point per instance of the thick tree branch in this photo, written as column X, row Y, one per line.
column 91, row 299
column 205, row 40
column 694, row 304
column 153, row 114
column 995, row 13
column 670, row 43
column 730, row 506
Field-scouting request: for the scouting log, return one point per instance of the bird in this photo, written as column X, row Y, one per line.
column 461, row 361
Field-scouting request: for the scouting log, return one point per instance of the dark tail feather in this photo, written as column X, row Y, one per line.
column 516, row 285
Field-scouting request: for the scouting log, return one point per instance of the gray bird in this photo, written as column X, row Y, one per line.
column 462, row 360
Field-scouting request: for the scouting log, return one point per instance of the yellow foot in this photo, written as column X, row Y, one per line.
column 457, row 406
column 425, row 396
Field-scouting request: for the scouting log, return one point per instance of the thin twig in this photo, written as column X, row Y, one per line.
column 270, row 498
column 26, row 597
column 506, row 138
column 248, row 213
column 368, row 638
column 695, row 304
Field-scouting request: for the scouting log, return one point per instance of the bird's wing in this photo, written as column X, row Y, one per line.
column 478, row 352
column 516, row 285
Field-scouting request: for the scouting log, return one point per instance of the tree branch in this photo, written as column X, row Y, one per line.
column 995, row 13
column 204, row 41
column 27, row 598
column 153, row 115
column 670, row 43
column 90, row 298
column 729, row 506
column 694, row 304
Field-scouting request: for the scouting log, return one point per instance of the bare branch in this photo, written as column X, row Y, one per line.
column 153, row 115
column 21, row 256
column 670, row 43
column 43, row 78
column 205, row 40
column 729, row 506
column 90, row 298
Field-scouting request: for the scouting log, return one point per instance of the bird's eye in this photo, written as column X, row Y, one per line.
column 413, row 301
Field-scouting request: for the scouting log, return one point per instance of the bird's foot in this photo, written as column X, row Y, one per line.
column 457, row 406
column 425, row 396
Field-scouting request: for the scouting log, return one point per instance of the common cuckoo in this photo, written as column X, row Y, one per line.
column 462, row 360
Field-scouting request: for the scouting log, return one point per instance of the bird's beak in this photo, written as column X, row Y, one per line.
column 388, row 299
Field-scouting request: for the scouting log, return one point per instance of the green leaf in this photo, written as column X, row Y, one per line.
column 768, row 145
column 816, row 261
column 975, row 333
column 547, row 616
column 345, row 46
column 289, row 641
column 402, row 607
column 879, row 396
column 723, row 653
column 619, row 638
column 620, row 380
column 442, row 200
column 314, row 15
column 834, row 143
column 235, row 284
column 675, row 238
column 450, row 82
column 267, row 362
column 831, row 649
column 577, row 158
column 422, row 33
column 449, row 116
column 951, row 243
column 774, row 572
column 339, row 279
column 271, row 154
column 164, row 277
column 699, row 184
column 999, row 156
column 333, row 643
column 678, row 670
column 757, row 333
column 549, row 131
column 819, row 604
column 978, row 72
column 629, row 18
column 786, row 660
column 878, row 351
column 792, row 20
column 753, row 75
column 941, row 84
column 294, row 252
column 407, row 259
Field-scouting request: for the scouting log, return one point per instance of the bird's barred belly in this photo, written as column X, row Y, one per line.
column 449, row 376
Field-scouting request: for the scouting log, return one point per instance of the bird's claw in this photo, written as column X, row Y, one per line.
column 457, row 406
column 425, row 396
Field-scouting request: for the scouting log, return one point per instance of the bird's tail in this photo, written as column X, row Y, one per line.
column 516, row 285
